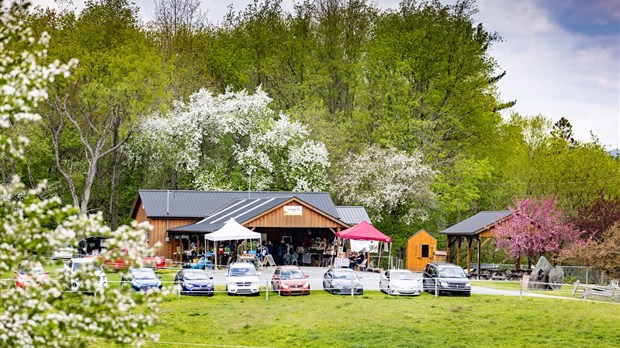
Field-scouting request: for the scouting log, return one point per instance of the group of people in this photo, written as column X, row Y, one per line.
column 357, row 259
column 282, row 252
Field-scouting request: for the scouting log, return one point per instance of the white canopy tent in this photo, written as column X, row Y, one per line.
column 231, row 230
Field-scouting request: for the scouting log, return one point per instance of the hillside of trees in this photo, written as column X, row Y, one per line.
column 394, row 110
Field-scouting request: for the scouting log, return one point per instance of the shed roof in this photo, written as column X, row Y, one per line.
column 198, row 204
column 422, row 231
column 477, row 223
column 353, row 215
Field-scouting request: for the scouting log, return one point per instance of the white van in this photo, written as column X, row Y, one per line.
column 242, row 279
column 72, row 267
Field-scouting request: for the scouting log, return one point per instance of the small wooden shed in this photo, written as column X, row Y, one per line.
column 420, row 250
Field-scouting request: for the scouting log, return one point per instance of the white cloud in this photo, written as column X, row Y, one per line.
column 554, row 72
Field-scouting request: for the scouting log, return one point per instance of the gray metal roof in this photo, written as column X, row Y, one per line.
column 477, row 223
column 353, row 215
column 239, row 209
column 199, row 204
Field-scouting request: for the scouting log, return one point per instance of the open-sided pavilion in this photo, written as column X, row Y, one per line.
column 475, row 228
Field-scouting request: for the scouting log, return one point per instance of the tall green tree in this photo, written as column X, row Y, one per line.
column 89, row 116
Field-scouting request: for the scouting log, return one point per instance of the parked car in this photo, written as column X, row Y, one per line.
column 63, row 253
column 74, row 265
column 400, row 282
column 194, row 282
column 29, row 273
column 122, row 263
column 290, row 280
column 141, row 279
column 449, row 279
column 242, row 279
column 342, row 281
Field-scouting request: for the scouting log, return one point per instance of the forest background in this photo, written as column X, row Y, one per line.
column 394, row 110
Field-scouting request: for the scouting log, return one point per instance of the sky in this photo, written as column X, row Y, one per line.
column 561, row 57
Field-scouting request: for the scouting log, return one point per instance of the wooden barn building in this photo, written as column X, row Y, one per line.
column 421, row 248
column 182, row 218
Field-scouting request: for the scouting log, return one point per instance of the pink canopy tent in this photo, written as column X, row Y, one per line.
column 366, row 231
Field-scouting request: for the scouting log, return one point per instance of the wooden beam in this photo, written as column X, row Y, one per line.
column 448, row 243
column 469, row 238
column 479, row 253
column 458, row 251
column 486, row 241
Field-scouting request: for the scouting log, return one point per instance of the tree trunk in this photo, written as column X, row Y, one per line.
column 113, row 206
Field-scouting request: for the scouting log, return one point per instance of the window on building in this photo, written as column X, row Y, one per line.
column 425, row 250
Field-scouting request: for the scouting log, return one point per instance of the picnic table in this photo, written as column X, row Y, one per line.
column 500, row 274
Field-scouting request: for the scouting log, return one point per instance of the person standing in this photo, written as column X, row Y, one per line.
column 280, row 253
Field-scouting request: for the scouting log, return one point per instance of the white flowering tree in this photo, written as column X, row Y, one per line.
column 387, row 182
column 233, row 141
column 45, row 313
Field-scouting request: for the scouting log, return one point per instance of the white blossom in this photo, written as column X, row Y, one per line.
column 387, row 181
column 265, row 145
column 45, row 314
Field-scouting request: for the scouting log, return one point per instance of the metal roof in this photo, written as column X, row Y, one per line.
column 239, row 209
column 353, row 215
column 199, row 204
column 477, row 223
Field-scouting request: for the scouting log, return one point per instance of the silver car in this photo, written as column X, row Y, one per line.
column 342, row 281
column 400, row 282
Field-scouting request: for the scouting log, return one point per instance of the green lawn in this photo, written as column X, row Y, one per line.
column 378, row 320
column 373, row 320
column 565, row 291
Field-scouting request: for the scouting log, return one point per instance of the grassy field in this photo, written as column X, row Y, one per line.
column 375, row 319
column 565, row 291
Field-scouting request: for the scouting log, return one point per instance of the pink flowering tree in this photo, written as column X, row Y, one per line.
column 537, row 226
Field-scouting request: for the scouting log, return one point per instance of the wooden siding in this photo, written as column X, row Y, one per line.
column 273, row 219
column 415, row 262
column 158, row 234
column 309, row 218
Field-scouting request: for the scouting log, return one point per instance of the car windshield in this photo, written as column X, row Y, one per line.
column 77, row 265
column 451, row 272
column 195, row 276
column 403, row 275
column 36, row 271
column 143, row 274
column 242, row 271
column 344, row 275
column 292, row 274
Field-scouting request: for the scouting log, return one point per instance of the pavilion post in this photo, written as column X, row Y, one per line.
column 458, row 251
column 479, row 254
column 448, row 242
column 469, row 238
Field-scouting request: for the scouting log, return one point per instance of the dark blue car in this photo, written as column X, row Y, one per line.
column 142, row 279
column 194, row 282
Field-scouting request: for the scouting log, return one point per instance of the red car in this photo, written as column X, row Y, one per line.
column 122, row 263
column 30, row 273
column 290, row 280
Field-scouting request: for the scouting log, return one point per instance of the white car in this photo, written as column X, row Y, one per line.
column 72, row 267
column 63, row 253
column 400, row 282
column 242, row 279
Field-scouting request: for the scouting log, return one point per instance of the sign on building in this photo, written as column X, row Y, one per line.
column 292, row 210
